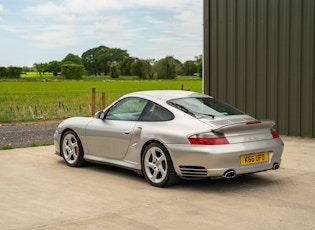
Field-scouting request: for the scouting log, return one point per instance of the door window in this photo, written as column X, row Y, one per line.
column 128, row 109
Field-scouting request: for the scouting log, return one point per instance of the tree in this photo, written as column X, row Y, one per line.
column 26, row 69
column 89, row 59
column 41, row 68
column 199, row 65
column 114, row 70
column 125, row 66
column 98, row 60
column 14, row 72
column 166, row 68
column 189, row 67
column 178, row 67
column 117, row 55
column 140, row 68
column 3, row 72
column 54, row 67
column 72, row 59
column 152, row 62
column 103, row 62
column 10, row 72
column 71, row 67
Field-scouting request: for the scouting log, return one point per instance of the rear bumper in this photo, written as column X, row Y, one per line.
column 197, row 161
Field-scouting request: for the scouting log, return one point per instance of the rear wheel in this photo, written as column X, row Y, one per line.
column 71, row 149
column 157, row 166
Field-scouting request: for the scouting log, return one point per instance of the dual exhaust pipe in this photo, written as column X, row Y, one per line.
column 276, row 166
column 231, row 172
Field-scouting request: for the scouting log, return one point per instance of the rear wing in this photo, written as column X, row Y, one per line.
column 245, row 127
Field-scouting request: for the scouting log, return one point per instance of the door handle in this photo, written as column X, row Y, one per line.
column 127, row 132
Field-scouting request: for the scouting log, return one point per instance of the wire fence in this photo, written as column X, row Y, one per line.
column 34, row 107
column 23, row 101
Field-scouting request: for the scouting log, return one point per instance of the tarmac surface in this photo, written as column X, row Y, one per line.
column 38, row 191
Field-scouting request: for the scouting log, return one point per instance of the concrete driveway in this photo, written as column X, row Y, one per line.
column 38, row 191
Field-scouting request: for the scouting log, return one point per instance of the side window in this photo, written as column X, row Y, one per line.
column 157, row 113
column 128, row 109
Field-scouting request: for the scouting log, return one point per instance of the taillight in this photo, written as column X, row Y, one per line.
column 274, row 134
column 207, row 139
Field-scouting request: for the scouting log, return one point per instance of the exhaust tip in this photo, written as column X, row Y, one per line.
column 276, row 166
column 229, row 174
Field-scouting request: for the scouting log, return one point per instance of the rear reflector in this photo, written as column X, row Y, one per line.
column 253, row 122
column 274, row 134
column 208, row 141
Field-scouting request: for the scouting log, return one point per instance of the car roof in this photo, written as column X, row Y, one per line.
column 166, row 95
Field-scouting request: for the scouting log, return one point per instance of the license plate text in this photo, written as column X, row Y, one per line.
column 254, row 158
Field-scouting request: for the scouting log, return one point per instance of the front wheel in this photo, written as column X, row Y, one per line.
column 157, row 166
column 71, row 149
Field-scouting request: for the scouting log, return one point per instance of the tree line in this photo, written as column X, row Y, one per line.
column 114, row 62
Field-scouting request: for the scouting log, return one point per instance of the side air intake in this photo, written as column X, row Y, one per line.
column 193, row 172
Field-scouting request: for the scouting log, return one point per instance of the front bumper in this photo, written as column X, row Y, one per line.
column 57, row 137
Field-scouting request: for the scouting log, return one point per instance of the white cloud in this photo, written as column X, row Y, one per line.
column 146, row 28
column 85, row 7
column 152, row 20
column 11, row 29
column 53, row 36
column 165, row 4
column 46, row 11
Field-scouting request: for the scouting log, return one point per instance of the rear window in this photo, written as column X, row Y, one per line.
column 204, row 106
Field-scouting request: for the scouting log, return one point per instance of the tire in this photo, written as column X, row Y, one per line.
column 71, row 149
column 157, row 166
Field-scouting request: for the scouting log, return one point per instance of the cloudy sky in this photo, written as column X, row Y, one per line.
column 42, row 31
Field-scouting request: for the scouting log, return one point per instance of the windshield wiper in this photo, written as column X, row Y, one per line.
column 182, row 108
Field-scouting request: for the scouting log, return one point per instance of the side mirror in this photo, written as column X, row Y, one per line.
column 100, row 115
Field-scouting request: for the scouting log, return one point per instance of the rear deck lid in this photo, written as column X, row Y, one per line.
column 242, row 128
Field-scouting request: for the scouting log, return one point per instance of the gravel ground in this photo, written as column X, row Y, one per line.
column 27, row 134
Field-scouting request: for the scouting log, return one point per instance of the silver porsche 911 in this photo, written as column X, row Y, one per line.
column 168, row 135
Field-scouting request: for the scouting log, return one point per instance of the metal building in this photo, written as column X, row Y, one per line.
column 259, row 55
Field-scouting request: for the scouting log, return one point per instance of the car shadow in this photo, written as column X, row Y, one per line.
column 113, row 170
column 243, row 182
column 239, row 183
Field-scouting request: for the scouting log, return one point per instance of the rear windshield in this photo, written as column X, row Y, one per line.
column 204, row 106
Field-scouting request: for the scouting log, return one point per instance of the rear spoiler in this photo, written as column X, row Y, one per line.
column 245, row 126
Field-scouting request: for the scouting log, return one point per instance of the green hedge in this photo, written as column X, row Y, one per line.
column 72, row 71
column 10, row 72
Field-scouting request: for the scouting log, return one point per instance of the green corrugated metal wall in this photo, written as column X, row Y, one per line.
column 259, row 55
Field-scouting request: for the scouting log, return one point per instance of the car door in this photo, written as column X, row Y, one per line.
column 110, row 137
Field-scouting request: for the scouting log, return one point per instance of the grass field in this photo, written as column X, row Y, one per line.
column 44, row 99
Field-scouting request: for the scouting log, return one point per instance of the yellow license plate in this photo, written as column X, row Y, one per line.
column 254, row 158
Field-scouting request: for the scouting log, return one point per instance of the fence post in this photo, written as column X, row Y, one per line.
column 93, row 101
column 103, row 100
column 182, row 87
